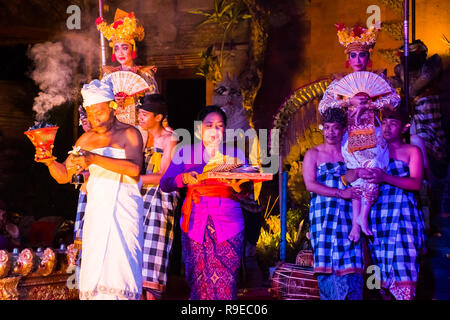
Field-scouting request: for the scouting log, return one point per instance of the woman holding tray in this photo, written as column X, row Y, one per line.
column 212, row 223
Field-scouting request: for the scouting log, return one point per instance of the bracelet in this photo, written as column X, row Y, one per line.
column 183, row 178
column 344, row 182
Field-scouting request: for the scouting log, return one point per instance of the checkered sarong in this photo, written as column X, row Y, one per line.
column 427, row 119
column 330, row 224
column 81, row 208
column 79, row 220
column 397, row 225
column 159, row 211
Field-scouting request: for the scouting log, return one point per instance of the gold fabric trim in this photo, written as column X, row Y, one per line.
column 110, row 291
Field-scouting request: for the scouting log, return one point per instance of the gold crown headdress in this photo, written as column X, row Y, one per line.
column 125, row 28
column 357, row 38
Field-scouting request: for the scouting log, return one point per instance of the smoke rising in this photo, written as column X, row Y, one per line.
column 60, row 68
column 52, row 73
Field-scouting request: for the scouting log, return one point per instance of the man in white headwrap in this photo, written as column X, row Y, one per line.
column 111, row 259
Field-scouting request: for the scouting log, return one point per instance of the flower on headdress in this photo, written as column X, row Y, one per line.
column 340, row 26
column 117, row 23
column 98, row 21
column 357, row 35
column 358, row 31
column 124, row 28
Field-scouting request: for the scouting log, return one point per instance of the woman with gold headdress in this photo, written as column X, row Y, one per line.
column 123, row 34
column 363, row 145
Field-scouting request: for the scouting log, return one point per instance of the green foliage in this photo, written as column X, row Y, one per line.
column 268, row 246
column 297, row 228
column 227, row 14
column 209, row 66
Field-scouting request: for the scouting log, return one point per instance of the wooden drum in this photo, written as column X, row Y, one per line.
column 294, row 282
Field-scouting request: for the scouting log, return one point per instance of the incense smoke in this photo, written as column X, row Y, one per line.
column 53, row 73
column 59, row 69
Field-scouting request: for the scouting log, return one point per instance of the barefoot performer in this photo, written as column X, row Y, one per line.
column 363, row 145
column 396, row 221
column 111, row 261
column 338, row 261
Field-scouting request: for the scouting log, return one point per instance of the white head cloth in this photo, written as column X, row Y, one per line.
column 96, row 92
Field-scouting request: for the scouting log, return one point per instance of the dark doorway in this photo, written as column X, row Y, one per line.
column 185, row 98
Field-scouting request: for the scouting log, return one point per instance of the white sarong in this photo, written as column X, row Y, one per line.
column 111, row 261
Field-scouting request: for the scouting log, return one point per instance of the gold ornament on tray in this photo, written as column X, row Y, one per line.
column 234, row 171
column 222, row 162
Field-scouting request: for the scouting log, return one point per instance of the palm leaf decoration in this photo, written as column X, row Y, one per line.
column 446, row 41
column 226, row 14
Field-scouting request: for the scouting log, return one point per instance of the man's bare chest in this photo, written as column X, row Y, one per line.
column 97, row 141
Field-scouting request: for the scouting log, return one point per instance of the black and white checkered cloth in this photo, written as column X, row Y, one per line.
column 159, row 211
column 79, row 220
column 398, row 226
column 427, row 119
column 330, row 224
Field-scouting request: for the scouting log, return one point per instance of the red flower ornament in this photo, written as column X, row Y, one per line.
column 120, row 95
column 358, row 31
column 117, row 23
column 340, row 26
